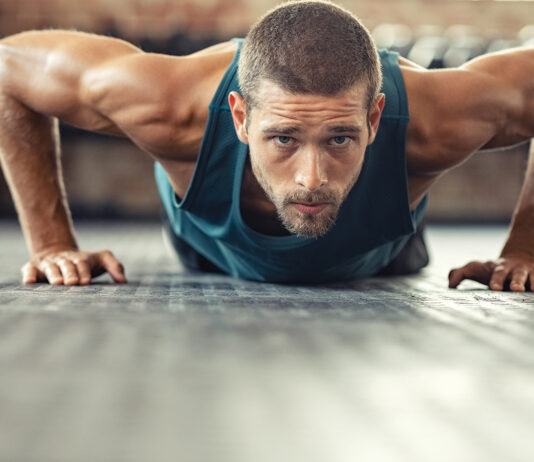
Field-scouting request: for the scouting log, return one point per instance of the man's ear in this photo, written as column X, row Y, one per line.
column 239, row 114
column 375, row 112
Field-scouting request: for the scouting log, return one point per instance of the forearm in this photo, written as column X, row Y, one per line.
column 520, row 239
column 40, row 75
column 45, row 77
column 29, row 154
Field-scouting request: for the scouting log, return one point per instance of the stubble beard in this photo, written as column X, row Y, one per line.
column 303, row 224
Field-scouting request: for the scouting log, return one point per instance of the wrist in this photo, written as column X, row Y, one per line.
column 520, row 240
column 45, row 235
column 43, row 252
column 516, row 246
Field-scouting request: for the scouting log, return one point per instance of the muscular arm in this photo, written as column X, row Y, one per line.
column 516, row 263
column 522, row 227
column 520, row 242
column 486, row 103
column 512, row 75
column 91, row 82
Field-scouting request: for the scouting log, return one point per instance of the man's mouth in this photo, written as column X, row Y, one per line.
column 308, row 208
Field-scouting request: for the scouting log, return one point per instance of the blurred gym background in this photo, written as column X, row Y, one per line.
column 110, row 178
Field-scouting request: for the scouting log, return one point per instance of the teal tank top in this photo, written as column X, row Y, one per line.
column 373, row 224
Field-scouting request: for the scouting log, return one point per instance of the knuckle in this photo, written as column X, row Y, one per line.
column 52, row 272
column 49, row 266
column 518, row 279
column 473, row 266
column 113, row 267
column 82, row 265
column 84, row 273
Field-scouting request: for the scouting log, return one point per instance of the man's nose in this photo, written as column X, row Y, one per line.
column 310, row 174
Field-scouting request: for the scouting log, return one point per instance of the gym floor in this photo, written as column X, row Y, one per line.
column 177, row 366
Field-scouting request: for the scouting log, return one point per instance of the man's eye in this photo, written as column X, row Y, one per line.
column 340, row 140
column 283, row 140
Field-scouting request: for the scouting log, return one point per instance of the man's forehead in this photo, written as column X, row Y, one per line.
column 279, row 105
column 268, row 89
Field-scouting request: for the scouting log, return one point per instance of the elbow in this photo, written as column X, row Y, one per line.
column 102, row 89
column 515, row 111
column 519, row 119
column 92, row 88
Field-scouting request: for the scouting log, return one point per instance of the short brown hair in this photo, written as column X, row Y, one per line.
column 309, row 47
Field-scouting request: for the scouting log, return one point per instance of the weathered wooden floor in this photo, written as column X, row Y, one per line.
column 183, row 367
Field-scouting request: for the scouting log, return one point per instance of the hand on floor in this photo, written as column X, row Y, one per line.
column 72, row 267
column 515, row 273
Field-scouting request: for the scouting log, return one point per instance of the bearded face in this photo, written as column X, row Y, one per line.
column 305, row 213
column 307, row 150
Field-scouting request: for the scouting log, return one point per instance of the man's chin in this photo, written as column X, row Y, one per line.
column 309, row 226
column 309, row 234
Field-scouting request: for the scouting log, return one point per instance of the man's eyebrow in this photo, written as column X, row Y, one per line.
column 280, row 130
column 353, row 129
column 350, row 129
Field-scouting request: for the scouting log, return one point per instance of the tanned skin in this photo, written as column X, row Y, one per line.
column 161, row 103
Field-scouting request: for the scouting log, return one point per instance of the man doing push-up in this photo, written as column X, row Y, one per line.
column 301, row 154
